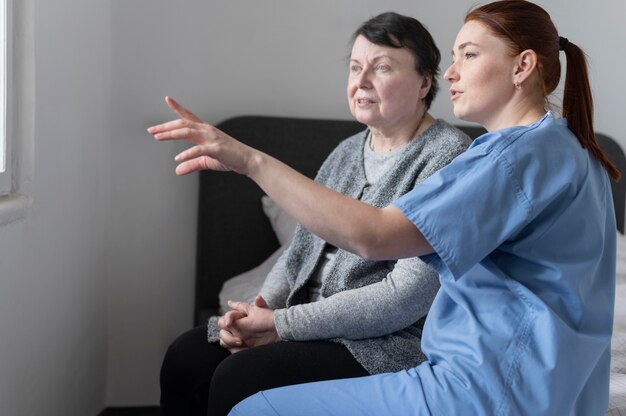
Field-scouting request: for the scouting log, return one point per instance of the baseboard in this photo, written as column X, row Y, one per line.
column 132, row 411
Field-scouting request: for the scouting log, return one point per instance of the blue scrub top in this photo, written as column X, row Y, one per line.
column 524, row 233
column 523, row 229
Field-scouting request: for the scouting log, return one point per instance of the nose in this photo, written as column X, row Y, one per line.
column 363, row 80
column 451, row 73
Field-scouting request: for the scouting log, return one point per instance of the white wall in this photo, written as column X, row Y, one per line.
column 230, row 57
column 52, row 261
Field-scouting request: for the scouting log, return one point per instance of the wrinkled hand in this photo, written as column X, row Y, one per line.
column 250, row 324
column 213, row 149
column 229, row 338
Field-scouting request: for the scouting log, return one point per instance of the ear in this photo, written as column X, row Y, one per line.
column 427, row 81
column 525, row 65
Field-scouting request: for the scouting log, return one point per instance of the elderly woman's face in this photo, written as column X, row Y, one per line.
column 384, row 88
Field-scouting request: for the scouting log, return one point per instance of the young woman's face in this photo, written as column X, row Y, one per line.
column 482, row 76
column 384, row 88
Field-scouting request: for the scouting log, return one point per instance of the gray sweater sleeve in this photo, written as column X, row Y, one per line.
column 275, row 289
column 381, row 308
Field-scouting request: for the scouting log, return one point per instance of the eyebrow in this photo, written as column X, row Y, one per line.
column 377, row 58
column 463, row 46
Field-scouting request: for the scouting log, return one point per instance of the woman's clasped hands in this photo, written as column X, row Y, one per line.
column 213, row 149
column 247, row 325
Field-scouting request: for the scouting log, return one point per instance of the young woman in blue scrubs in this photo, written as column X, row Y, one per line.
column 520, row 228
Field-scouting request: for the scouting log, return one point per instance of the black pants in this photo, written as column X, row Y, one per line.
column 198, row 378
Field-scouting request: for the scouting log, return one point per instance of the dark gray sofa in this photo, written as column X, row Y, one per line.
column 234, row 235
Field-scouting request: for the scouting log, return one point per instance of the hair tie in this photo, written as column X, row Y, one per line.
column 562, row 43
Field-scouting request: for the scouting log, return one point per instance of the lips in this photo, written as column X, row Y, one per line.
column 454, row 94
column 364, row 101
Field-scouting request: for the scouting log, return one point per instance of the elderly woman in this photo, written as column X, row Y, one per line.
column 344, row 316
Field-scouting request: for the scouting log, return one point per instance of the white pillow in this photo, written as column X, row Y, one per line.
column 618, row 341
column 621, row 256
column 283, row 225
column 245, row 286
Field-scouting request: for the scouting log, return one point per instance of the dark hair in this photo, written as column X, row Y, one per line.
column 398, row 31
column 524, row 25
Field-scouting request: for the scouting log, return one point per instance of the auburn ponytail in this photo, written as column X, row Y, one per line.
column 578, row 106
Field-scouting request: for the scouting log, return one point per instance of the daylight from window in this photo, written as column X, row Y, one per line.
column 3, row 144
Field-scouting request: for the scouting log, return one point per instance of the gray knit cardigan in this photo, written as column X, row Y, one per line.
column 354, row 285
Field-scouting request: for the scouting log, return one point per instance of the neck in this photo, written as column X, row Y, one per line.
column 522, row 110
column 381, row 143
column 523, row 119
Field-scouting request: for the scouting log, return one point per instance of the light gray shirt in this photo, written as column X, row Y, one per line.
column 376, row 165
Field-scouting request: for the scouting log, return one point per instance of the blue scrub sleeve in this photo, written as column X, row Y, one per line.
column 467, row 209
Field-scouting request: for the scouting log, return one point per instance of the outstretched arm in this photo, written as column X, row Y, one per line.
column 373, row 233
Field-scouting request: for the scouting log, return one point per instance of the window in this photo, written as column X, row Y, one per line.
column 17, row 57
column 5, row 165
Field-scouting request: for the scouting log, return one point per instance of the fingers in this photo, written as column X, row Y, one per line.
column 236, row 350
column 191, row 153
column 228, row 340
column 179, row 129
column 214, row 149
column 239, row 306
column 169, row 130
column 226, row 321
column 195, row 165
column 181, row 111
column 185, row 133
column 170, row 125
column 260, row 302
column 183, row 129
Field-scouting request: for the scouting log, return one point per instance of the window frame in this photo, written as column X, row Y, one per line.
column 6, row 43
column 20, row 110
